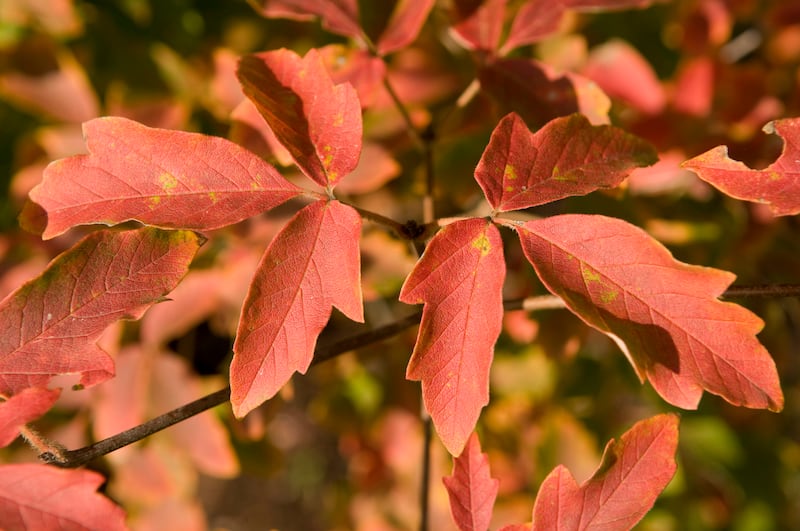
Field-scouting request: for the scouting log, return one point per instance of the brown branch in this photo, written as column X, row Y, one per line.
column 81, row 456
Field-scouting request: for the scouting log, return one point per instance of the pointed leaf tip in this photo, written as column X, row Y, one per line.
column 319, row 123
column 777, row 185
column 460, row 279
column 312, row 265
column 471, row 488
column 664, row 314
column 159, row 177
column 631, row 475
column 566, row 157
column 49, row 325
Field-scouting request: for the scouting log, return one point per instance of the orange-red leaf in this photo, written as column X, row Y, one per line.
column 49, row 326
column 460, row 280
column 631, row 475
column 22, row 408
column 339, row 16
column 665, row 314
column 471, row 488
column 163, row 178
column 534, row 21
column 777, row 185
column 606, row 5
column 479, row 28
column 403, row 27
column 34, row 496
column 566, row 157
column 539, row 93
column 318, row 122
column 312, row 265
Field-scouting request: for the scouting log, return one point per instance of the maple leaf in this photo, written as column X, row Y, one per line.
column 534, row 21
column 319, row 123
column 538, row 93
column 777, row 185
column 72, row 500
column 631, row 475
column 164, row 178
column 50, row 324
column 460, row 280
column 480, row 28
column 338, row 16
column 664, row 314
column 566, row 157
column 344, row 17
column 471, row 488
column 623, row 73
column 605, row 5
column 312, row 265
column 22, row 408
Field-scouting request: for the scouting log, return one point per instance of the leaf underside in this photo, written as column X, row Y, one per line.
column 471, row 488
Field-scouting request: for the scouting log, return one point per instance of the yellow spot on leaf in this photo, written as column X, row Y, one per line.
column 509, row 173
column 153, row 201
column 167, row 181
column 509, row 188
column 775, row 176
column 213, row 196
column 338, row 120
column 483, row 244
column 607, row 294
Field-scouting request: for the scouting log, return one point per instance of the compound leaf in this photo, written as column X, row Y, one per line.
column 159, row 177
column 664, row 314
column 471, row 488
column 312, row 265
column 777, row 185
column 50, row 324
column 632, row 474
column 567, row 157
column 319, row 123
column 460, row 280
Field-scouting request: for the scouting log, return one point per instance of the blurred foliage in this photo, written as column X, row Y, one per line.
column 341, row 447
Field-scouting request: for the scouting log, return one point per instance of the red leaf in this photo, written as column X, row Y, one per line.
column 606, row 5
column 471, row 489
column 318, row 122
column 777, row 185
column 49, row 325
column 664, row 313
column 534, row 21
column 481, row 29
column 623, row 73
column 338, row 16
column 159, row 177
column 632, row 474
column 538, row 93
column 310, row 266
column 566, row 157
column 460, row 280
column 404, row 25
column 22, row 408
column 34, row 496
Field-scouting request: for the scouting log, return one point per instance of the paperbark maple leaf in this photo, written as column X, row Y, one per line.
column 312, row 265
column 539, row 93
column 72, row 500
column 632, row 474
column 164, row 178
column 344, row 17
column 777, row 185
column 22, row 408
column 471, row 488
column 50, row 324
column 460, row 279
column 319, row 123
column 566, row 157
column 664, row 314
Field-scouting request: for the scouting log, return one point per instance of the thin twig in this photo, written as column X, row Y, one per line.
column 424, row 491
column 81, row 456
